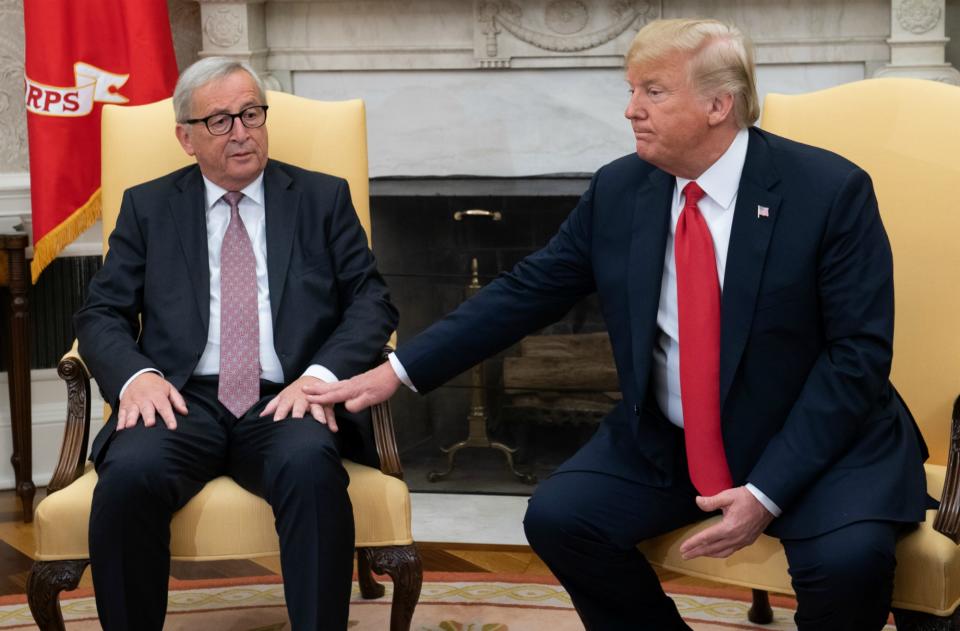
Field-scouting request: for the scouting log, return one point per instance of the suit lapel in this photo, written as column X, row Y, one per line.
column 746, row 255
column 188, row 208
column 651, row 224
column 282, row 210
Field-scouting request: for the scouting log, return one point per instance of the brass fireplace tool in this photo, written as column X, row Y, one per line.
column 477, row 419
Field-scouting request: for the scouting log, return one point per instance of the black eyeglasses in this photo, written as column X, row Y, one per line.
column 220, row 124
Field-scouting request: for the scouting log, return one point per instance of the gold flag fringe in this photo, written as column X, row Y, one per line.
column 46, row 249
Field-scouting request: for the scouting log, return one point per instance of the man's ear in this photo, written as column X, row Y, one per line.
column 720, row 109
column 183, row 135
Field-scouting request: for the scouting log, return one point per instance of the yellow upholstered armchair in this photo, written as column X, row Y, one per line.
column 224, row 521
column 905, row 133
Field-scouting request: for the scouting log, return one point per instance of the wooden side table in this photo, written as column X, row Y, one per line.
column 14, row 243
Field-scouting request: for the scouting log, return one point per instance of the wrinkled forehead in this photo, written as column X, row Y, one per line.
column 673, row 66
column 223, row 94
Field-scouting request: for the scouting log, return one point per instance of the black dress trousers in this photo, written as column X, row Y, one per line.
column 147, row 474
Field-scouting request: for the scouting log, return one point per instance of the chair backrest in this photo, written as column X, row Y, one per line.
column 905, row 133
column 138, row 144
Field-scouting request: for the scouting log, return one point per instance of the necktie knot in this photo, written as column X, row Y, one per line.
column 692, row 193
column 233, row 198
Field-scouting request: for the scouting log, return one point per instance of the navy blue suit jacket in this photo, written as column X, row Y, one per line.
column 330, row 306
column 809, row 415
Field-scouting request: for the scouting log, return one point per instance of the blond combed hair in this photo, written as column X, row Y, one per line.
column 721, row 59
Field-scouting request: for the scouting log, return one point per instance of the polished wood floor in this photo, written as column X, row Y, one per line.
column 16, row 546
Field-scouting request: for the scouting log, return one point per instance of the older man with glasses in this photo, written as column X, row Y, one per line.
column 229, row 286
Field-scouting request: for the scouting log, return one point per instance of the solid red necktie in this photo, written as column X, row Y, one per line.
column 698, row 308
column 239, row 386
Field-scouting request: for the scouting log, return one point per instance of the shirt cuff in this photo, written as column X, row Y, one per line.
column 401, row 371
column 320, row 372
column 135, row 375
column 766, row 501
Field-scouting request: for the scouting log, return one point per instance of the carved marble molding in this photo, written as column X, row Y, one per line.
column 511, row 31
column 185, row 25
column 13, row 119
column 405, row 35
column 918, row 42
column 919, row 16
column 223, row 26
column 236, row 28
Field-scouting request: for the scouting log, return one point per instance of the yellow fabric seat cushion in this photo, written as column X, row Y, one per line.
column 928, row 563
column 224, row 521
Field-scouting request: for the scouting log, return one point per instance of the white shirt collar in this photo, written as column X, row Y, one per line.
column 721, row 181
column 253, row 190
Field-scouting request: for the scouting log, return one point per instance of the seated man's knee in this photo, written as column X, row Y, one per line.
column 844, row 579
column 858, row 566
column 549, row 520
column 311, row 460
column 125, row 476
column 859, row 558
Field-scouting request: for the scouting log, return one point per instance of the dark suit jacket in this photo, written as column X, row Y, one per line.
column 809, row 415
column 330, row 305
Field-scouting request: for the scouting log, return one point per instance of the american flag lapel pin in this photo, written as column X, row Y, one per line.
column 763, row 211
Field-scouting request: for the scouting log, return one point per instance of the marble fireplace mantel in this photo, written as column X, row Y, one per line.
column 528, row 87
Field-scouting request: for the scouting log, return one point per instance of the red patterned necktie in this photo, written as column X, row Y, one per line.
column 239, row 385
column 698, row 307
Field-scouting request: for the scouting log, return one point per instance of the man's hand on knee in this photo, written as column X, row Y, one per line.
column 744, row 519
column 147, row 395
column 292, row 401
column 358, row 393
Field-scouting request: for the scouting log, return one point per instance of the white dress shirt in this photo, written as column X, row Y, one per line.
column 252, row 212
column 720, row 183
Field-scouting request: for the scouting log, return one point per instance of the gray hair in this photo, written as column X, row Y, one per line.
column 203, row 72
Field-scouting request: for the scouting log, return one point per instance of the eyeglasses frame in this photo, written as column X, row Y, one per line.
column 233, row 118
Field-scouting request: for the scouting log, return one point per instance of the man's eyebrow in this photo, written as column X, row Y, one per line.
column 220, row 110
column 224, row 110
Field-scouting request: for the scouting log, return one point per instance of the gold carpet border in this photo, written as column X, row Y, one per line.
column 696, row 609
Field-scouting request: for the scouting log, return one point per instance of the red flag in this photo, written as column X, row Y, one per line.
column 80, row 55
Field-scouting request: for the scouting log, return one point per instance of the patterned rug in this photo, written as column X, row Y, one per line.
column 448, row 602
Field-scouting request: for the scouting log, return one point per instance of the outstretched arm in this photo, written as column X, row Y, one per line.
column 360, row 392
column 540, row 289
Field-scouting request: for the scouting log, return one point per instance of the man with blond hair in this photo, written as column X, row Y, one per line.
column 746, row 282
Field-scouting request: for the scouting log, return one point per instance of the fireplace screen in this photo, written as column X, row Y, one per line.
column 512, row 420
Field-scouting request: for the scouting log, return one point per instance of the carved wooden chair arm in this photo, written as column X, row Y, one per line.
column 948, row 517
column 76, row 435
column 73, row 451
column 384, row 436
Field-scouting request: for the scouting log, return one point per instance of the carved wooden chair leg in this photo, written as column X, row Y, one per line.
column 918, row 621
column 47, row 579
column 760, row 611
column 403, row 565
column 369, row 587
